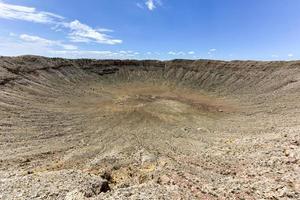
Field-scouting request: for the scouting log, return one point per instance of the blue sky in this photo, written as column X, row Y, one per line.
column 152, row 29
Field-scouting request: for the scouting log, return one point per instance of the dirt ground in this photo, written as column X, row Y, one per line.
column 87, row 129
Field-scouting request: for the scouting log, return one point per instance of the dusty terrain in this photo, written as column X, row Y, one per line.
column 111, row 129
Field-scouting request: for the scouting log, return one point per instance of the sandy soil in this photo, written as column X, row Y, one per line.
column 88, row 129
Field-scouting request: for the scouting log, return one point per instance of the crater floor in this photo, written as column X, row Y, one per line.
column 89, row 129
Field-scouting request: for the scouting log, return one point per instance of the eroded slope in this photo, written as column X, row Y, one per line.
column 152, row 129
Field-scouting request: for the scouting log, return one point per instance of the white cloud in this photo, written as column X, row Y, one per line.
column 149, row 53
column 16, row 12
column 12, row 34
column 104, row 30
column 32, row 45
column 140, row 5
column 94, row 54
column 24, row 44
column 173, row 53
column 290, row 55
column 151, row 4
column 45, row 42
column 180, row 53
column 211, row 51
column 274, row 56
column 84, row 33
column 129, row 52
column 79, row 32
column 13, row 47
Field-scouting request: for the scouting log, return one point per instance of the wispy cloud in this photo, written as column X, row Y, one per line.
column 78, row 32
column 181, row 53
column 14, row 46
column 16, row 12
column 150, row 4
column 149, row 53
column 211, row 51
column 104, row 30
column 173, row 53
column 45, row 42
column 84, row 33
column 95, row 54
column 27, row 44
column 140, row 5
column 290, row 55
